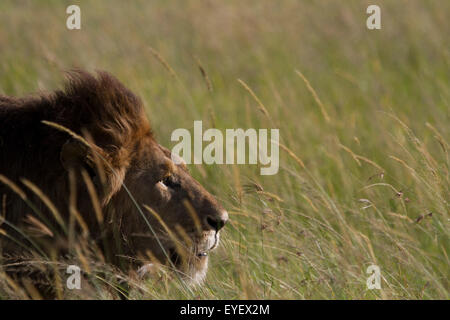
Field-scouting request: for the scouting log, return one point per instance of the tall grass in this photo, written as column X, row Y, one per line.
column 364, row 126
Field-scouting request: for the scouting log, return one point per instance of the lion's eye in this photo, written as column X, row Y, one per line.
column 170, row 182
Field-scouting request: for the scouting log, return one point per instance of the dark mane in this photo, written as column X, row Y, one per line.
column 99, row 104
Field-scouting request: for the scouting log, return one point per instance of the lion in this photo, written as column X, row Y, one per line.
column 86, row 156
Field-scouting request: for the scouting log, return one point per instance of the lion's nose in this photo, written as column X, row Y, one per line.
column 218, row 220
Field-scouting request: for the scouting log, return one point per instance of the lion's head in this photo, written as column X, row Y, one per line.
column 96, row 146
column 191, row 218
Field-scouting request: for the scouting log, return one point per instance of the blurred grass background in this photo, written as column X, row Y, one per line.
column 365, row 180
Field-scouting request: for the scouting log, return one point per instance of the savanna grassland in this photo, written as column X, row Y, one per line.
column 364, row 133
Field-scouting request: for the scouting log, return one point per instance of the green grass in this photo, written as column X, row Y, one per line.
column 378, row 163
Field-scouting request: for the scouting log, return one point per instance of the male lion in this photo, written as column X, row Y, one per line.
column 84, row 159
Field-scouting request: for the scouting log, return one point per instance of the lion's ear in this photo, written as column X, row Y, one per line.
column 74, row 155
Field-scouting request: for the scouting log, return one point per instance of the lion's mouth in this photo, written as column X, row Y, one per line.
column 180, row 261
column 202, row 254
column 209, row 247
column 177, row 258
column 200, row 250
column 190, row 261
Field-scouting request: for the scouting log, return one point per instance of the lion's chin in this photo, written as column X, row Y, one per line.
column 193, row 270
column 191, row 266
column 197, row 271
column 193, row 273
